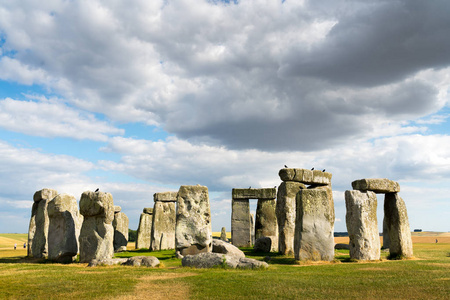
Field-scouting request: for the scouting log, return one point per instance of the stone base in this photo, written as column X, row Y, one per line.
column 194, row 249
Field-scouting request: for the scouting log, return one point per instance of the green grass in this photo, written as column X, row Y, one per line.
column 426, row 277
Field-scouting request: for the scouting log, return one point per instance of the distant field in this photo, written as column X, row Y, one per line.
column 7, row 240
column 427, row 276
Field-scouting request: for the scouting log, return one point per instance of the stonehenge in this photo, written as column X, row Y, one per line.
column 362, row 222
column 193, row 233
column 241, row 220
column 144, row 230
column 164, row 220
column 97, row 232
column 64, row 228
column 120, row 225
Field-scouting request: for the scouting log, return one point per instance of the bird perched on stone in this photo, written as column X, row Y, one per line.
column 312, row 169
column 285, row 166
column 96, row 190
column 323, row 170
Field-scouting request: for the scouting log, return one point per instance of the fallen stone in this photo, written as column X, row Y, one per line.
column 250, row 263
column 397, row 223
column 193, row 232
column 341, row 246
column 142, row 261
column 39, row 222
column 266, row 193
column 219, row 246
column 144, row 231
column 64, row 228
column 164, row 221
column 97, row 232
column 211, row 260
column 120, row 225
column 285, row 213
column 314, row 226
column 376, row 185
column 107, row 262
column 362, row 227
column 305, row 176
column 265, row 244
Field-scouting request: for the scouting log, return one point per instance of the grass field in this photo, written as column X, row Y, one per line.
column 427, row 276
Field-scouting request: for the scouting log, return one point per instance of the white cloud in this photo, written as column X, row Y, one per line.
column 49, row 118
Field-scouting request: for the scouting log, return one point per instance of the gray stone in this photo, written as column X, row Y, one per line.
column 398, row 226
column 386, row 238
column 266, row 193
column 144, row 231
column 223, row 234
column 193, row 232
column 305, row 176
column 120, row 225
column 211, row 260
column 142, row 261
column 340, row 246
column 97, row 232
column 362, row 227
column 265, row 244
column 314, row 226
column 219, row 246
column 165, row 197
column 107, row 262
column 38, row 229
column 266, row 221
column 241, row 235
column 377, row 185
column 64, row 228
column 164, row 221
column 285, row 211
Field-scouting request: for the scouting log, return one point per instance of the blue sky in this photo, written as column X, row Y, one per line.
column 358, row 88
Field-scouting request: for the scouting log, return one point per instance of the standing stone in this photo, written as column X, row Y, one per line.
column 252, row 229
column 97, row 232
column 120, row 225
column 314, row 226
column 362, row 227
column 241, row 223
column 285, row 211
column 64, row 228
column 38, row 229
column 164, row 221
column 143, row 238
column 386, row 239
column 193, row 228
column 398, row 226
column 266, row 221
column 223, row 234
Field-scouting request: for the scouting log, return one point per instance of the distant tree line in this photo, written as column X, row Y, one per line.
column 132, row 234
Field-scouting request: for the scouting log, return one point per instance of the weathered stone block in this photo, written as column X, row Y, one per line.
column 148, row 210
column 266, row 221
column 266, row 244
column 377, row 185
column 386, row 238
column 285, row 212
column 314, row 226
column 315, row 177
column 398, row 226
column 165, row 197
column 267, row 193
column 193, row 227
column 64, row 228
column 223, row 247
column 97, row 232
column 120, row 225
column 143, row 238
column 39, row 222
column 223, row 234
column 241, row 223
column 362, row 227
column 163, row 226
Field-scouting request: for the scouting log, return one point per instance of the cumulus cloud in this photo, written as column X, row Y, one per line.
column 286, row 75
column 50, row 118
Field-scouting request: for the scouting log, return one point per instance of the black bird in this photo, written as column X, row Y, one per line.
column 323, row 170
column 96, row 190
column 312, row 169
column 285, row 166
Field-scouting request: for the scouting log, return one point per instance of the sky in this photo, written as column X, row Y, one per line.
column 140, row 97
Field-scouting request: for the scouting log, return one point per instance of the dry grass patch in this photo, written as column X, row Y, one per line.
column 160, row 286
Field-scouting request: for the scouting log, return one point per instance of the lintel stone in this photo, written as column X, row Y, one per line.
column 267, row 193
column 305, row 176
column 377, row 185
column 148, row 210
column 165, row 197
